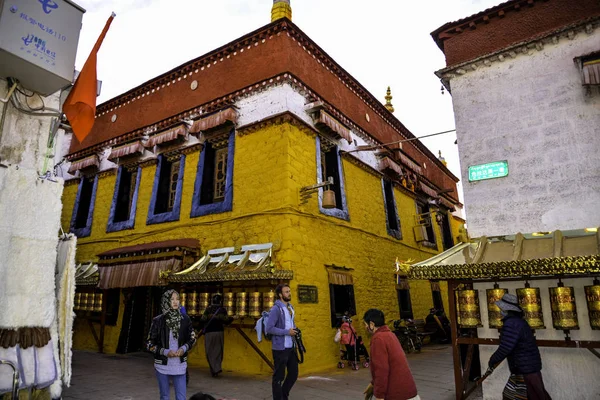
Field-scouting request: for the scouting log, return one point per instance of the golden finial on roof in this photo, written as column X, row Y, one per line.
column 442, row 159
column 388, row 100
column 281, row 9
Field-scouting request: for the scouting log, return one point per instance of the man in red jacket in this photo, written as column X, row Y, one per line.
column 392, row 379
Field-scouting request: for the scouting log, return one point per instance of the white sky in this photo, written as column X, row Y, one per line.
column 379, row 42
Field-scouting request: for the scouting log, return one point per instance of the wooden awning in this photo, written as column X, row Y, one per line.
column 143, row 273
column 429, row 191
column 389, row 164
column 126, row 150
column 166, row 136
column 340, row 277
column 214, row 120
column 87, row 162
column 410, row 163
column 591, row 72
column 334, row 126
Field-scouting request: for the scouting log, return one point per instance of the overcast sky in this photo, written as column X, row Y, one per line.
column 379, row 42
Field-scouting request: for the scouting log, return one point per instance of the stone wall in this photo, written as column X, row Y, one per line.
column 532, row 111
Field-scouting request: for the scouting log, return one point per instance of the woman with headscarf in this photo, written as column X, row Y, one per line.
column 171, row 337
column 215, row 318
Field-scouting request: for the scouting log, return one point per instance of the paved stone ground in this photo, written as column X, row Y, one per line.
column 131, row 377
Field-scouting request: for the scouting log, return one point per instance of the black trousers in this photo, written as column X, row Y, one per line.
column 282, row 383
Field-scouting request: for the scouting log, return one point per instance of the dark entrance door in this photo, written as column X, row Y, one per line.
column 138, row 308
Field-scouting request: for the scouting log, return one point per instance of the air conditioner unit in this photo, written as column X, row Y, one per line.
column 420, row 233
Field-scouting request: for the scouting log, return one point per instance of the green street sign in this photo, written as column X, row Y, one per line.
column 492, row 170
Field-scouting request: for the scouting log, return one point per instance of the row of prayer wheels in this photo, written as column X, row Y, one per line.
column 239, row 304
column 88, row 302
column 562, row 303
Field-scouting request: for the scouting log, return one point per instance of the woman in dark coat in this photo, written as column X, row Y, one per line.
column 215, row 317
column 518, row 345
column 171, row 337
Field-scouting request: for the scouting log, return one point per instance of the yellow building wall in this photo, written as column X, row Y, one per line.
column 270, row 166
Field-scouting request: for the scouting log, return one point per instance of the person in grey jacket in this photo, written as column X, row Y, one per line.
column 282, row 328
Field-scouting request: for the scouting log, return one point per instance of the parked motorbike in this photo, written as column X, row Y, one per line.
column 407, row 335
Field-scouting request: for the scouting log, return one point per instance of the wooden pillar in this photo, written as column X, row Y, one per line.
column 103, row 320
column 458, row 385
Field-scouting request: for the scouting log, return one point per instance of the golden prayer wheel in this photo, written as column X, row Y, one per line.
column 98, row 302
column 203, row 303
column 564, row 308
column 592, row 294
column 241, row 304
column 468, row 309
column 254, row 308
column 228, row 303
column 183, row 300
column 84, row 301
column 192, row 308
column 90, row 301
column 531, row 303
column 77, row 303
column 494, row 314
column 268, row 301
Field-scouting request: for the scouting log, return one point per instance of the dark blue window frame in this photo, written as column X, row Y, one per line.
column 172, row 215
column 198, row 209
column 391, row 203
column 130, row 222
column 87, row 229
column 333, row 212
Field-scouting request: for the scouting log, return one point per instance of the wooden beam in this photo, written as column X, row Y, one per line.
column 255, row 347
column 467, row 369
column 94, row 334
column 103, row 321
column 454, row 331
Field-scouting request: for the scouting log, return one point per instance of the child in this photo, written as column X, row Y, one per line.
column 348, row 339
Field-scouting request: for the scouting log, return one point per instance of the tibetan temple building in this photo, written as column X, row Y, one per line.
column 260, row 162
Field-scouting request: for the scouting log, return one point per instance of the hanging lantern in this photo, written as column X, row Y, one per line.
column 228, row 303
column 468, row 309
column 193, row 304
column 592, row 294
column 494, row 314
column 241, row 304
column 564, row 308
column 254, row 309
column 98, row 302
column 202, row 303
column 268, row 301
column 531, row 303
column 77, row 303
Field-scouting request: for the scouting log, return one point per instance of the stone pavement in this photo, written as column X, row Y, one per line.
column 131, row 377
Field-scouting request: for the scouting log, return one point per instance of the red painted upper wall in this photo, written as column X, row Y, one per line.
column 279, row 53
column 508, row 23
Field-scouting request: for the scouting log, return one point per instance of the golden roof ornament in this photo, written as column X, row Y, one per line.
column 442, row 159
column 388, row 100
column 281, row 9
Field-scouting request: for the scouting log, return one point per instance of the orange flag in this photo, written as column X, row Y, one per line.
column 80, row 105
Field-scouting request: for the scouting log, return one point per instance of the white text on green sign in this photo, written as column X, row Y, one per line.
column 492, row 170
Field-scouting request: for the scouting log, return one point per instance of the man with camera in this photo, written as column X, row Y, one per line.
column 283, row 330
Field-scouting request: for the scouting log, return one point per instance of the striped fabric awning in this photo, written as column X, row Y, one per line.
column 410, row 163
column 388, row 163
column 429, row 191
column 90, row 161
column 142, row 273
column 126, row 150
column 340, row 277
column 591, row 72
column 215, row 120
column 166, row 136
column 334, row 125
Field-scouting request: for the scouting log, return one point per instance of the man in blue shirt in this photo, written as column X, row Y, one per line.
column 282, row 328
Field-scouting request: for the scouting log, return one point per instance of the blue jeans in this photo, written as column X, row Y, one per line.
column 178, row 384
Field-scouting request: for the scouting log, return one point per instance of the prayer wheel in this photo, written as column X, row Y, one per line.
column 241, row 304
column 90, row 301
column 564, row 308
column 84, row 301
column 203, row 303
column 468, row 309
column 592, row 294
column 531, row 303
column 98, row 302
column 228, row 303
column 254, row 308
column 494, row 315
column 268, row 300
column 77, row 302
column 183, row 299
column 192, row 309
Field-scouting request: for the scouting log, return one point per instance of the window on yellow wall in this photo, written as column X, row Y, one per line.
column 167, row 189
column 424, row 213
column 436, row 294
column 213, row 188
column 124, row 204
column 391, row 211
column 448, row 241
column 342, row 302
column 405, row 304
column 83, row 211
column 329, row 164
